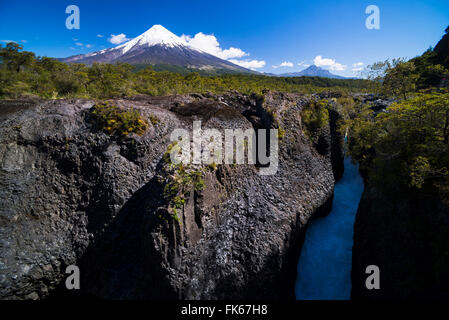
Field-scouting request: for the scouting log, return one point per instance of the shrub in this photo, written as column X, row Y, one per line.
column 179, row 180
column 118, row 121
column 315, row 117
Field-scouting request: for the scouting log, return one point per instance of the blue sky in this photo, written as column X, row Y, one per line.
column 298, row 33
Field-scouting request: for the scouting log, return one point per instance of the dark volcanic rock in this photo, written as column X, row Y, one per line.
column 336, row 145
column 407, row 236
column 70, row 194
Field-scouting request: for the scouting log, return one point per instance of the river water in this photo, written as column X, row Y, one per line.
column 324, row 267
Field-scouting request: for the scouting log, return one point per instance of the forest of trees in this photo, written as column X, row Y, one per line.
column 23, row 75
column 405, row 148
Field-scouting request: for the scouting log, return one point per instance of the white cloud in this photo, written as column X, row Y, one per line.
column 233, row 53
column 358, row 64
column 319, row 61
column 100, row 36
column 8, row 41
column 24, row 41
column 89, row 45
column 249, row 64
column 117, row 39
column 284, row 64
column 79, row 44
column 209, row 43
column 323, row 62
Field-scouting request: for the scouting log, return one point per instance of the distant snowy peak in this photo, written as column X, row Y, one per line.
column 312, row 71
column 156, row 35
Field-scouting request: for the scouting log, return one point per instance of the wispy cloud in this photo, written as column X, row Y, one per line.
column 356, row 67
column 89, row 45
column 304, row 64
column 117, row 39
column 100, row 36
column 79, row 44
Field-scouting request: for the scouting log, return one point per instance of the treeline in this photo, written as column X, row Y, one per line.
column 22, row 74
column 406, row 148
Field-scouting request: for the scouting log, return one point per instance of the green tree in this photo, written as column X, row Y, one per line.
column 396, row 77
column 14, row 59
column 406, row 146
column 431, row 76
column 400, row 79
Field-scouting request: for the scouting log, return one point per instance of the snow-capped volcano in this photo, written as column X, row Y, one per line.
column 158, row 46
column 156, row 35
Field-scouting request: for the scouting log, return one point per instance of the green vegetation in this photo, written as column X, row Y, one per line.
column 118, row 121
column 22, row 74
column 154, row 120
column 213, row 166
column 315, row 117
column 281, row 133
column 407, row 146
column 179, row 181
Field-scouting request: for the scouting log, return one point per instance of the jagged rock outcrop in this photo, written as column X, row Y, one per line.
column 406, row 235
column 71, row 194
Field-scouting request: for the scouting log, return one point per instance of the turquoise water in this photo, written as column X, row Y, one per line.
column 324, row 267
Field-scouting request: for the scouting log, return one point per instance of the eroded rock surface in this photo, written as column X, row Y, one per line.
column 71, row 194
